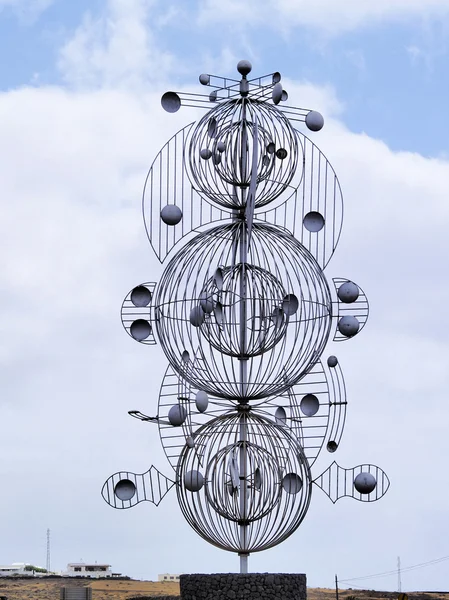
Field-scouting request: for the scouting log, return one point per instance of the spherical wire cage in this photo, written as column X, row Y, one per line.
column 286, row 312
column 223, row 139
column 276, row 486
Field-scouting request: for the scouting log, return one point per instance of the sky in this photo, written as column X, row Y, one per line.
column 81, row 122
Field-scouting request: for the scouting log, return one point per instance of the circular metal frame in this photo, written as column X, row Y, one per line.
column 273, row 502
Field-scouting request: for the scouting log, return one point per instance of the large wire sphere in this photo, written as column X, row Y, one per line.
column 236, row 348
column 276, row 485
column 221, row 152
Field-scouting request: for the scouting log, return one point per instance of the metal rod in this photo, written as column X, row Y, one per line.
column 243, row 351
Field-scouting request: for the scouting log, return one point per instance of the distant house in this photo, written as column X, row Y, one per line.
column 15, row 569
column 89, row 570
column 168, row 577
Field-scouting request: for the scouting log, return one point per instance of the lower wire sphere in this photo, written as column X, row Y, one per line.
column 255, row 482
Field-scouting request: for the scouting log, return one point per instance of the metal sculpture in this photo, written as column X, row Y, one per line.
column 249, row 212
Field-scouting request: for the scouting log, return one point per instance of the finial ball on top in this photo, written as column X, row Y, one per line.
column 244, row 67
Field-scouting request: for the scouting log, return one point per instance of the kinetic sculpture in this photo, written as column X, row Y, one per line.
column 243, row 313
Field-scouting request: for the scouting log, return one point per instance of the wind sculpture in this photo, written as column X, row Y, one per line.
column 247, row 212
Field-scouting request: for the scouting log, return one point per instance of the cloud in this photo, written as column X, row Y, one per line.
column 325, row 15
column 116, row 49
column 72, row 173
column 72, row 165
column 26, row 10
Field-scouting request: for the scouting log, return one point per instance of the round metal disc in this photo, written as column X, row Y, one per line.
column 197, row 316
column 171, row 102
column 193, row 480
column 202, row 401
column 310, row 405
column 276, row 94
column 365, row 483
column 207, row 303
column 280, row 415
column 281, row 153
column 125, row 490
column 314, row 120
column 140, row 329
column 313, row 221
column 348, row 326
column 257, row 479
column 284, row 96
column 171, row 214
column 204, row 79
column 332, row 361
column 212, row 127
column 177, row 415
column 213, row 96
column 218, row 278
column 292, row 483
column 290, row 304
column 348, row 292
column 218, row 312
column 205, row 153
column 276, row 77
column 141, row 296
column 331, row 446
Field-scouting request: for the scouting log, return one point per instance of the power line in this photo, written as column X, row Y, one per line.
column 395, row 571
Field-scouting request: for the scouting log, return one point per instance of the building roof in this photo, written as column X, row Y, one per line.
column 88, row 565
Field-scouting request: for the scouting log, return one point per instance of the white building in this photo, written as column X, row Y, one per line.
column 14, row 569
column 89, row 570
column 168, row 577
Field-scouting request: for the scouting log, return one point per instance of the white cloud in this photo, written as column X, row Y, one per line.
column 328, row 16
column 26, row 10
column 116, row 49
column 72, row 166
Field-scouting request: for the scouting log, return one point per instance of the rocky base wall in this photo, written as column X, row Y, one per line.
column 250, row 586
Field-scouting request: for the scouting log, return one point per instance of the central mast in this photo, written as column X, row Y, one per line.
column 243, row 253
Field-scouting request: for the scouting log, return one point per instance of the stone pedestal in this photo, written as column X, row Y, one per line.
column 237, row 586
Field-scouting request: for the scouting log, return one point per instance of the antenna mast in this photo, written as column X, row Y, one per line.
column 48, row 551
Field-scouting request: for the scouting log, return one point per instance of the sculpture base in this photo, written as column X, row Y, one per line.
column 244, row 586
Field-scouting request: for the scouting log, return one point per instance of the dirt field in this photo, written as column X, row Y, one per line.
column 107, row 589
column 104, row 589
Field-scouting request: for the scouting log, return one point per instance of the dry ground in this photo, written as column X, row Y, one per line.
column 104, row 589
column 107, row 589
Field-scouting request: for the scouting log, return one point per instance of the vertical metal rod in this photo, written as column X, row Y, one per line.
column 243, row 467
column 244, row 563
column 336, row 588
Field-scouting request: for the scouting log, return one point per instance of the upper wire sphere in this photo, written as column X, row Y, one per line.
column 222, row 146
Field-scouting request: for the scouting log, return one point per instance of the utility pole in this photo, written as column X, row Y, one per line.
column 399, row 575
column 48, row 551
column 336, row 588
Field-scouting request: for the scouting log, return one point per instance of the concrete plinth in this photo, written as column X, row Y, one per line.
column 248, row 586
